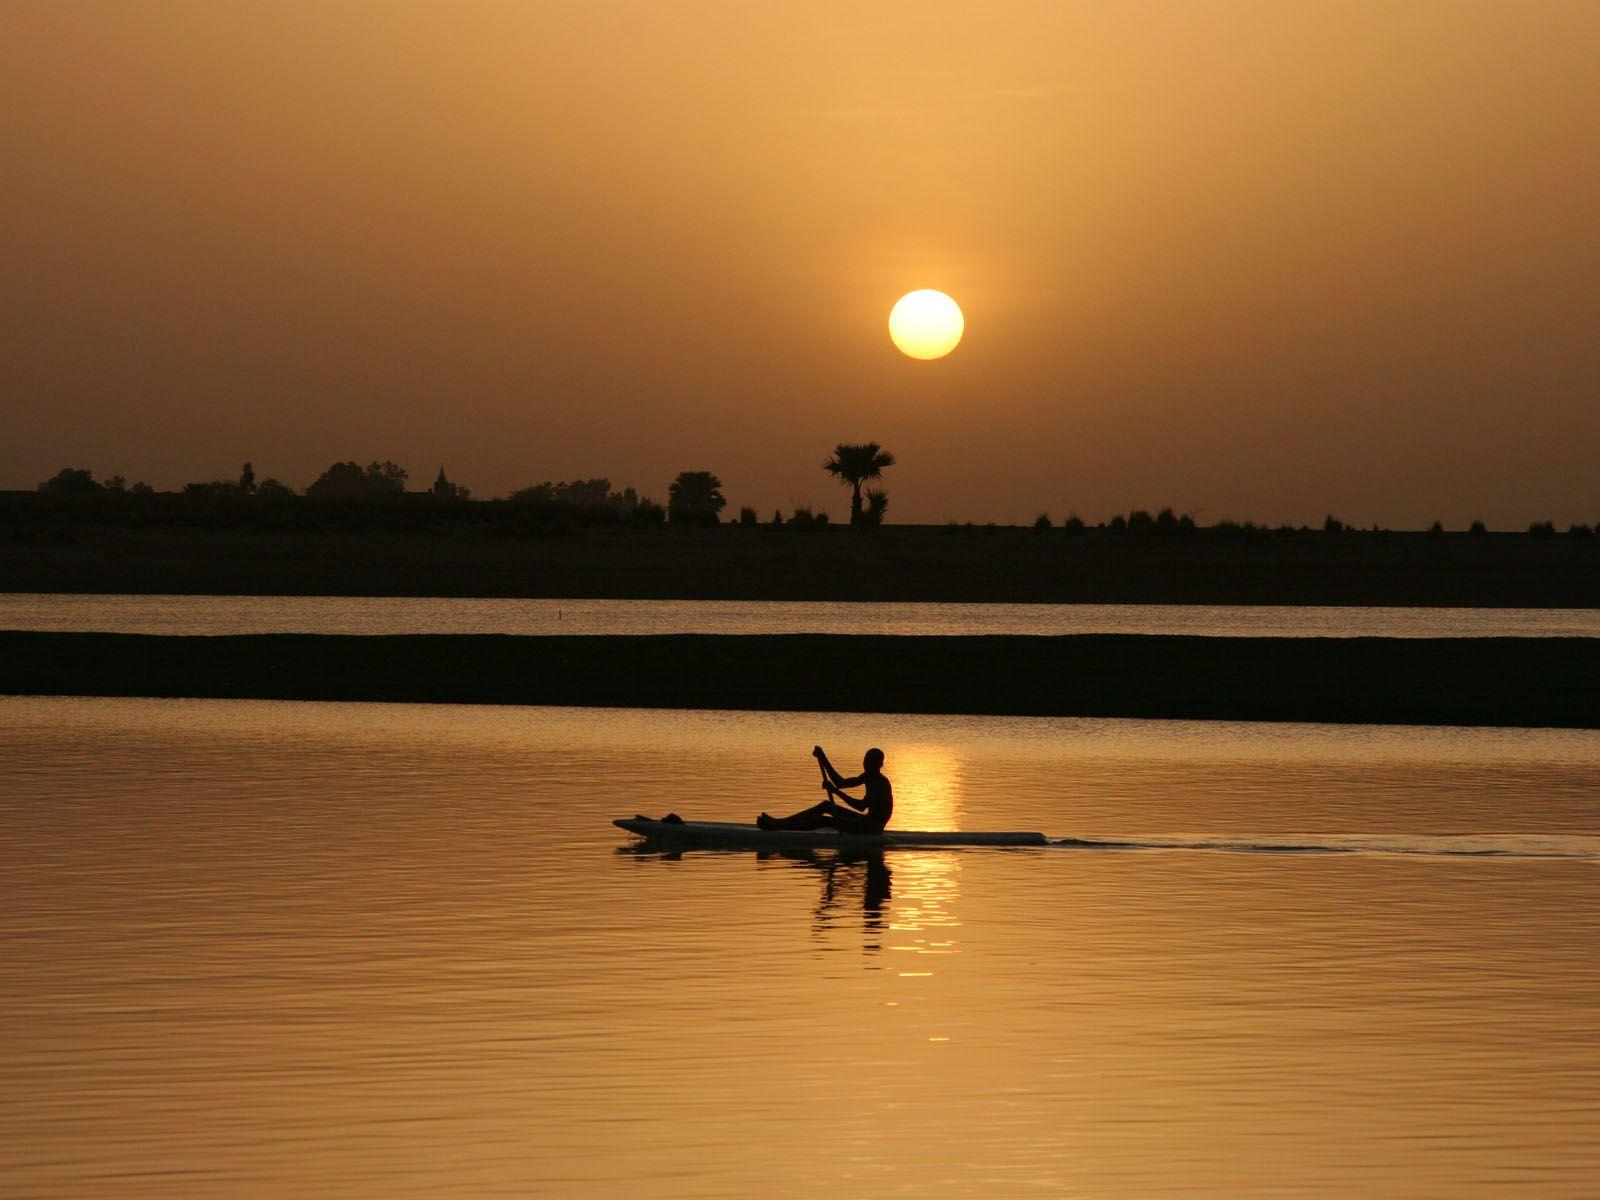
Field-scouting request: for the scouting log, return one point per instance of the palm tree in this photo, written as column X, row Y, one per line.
column 855, row 464
column 695, row 498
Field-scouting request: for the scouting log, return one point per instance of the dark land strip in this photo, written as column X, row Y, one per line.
column 898, row 562
column 1452, row 681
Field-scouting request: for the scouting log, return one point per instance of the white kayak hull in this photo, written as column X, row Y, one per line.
column 718, row 833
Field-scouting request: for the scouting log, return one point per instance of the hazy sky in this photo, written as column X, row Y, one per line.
column 1265, row 260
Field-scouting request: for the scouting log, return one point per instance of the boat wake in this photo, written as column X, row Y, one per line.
column 1487, row 846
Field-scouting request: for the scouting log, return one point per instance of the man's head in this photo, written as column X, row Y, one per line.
column 872, row 760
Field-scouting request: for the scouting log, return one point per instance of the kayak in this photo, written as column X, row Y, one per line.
column 718, row 833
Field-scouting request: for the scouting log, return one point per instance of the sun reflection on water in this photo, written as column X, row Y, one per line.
column 927, row 782
column 926, row 888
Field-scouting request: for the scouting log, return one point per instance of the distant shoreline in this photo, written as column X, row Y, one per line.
column 895, row 563
column 1453, row 681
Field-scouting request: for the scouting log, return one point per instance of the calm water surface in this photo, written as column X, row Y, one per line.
column 394, row 615
column 358, row 950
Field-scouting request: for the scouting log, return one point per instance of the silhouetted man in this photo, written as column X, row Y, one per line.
column 875, row 808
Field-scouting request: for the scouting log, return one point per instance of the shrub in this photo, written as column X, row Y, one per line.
column 747, row 515
column 1228, row 527
column 214, row 487
column 1332, row 524
column 1579, row 531
column 586, row 501
column 1542, row 529
column 569, row 494
column 1477, row 529
column 1072, row 525
column 1042, row 522
column 1436, row 529
column 802, row 517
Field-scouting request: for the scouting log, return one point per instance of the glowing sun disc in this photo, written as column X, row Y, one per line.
column 926, row 324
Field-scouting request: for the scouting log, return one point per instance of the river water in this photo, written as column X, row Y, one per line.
column 412, row 615
column 265, row 949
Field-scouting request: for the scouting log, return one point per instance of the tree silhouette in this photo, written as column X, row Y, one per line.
column 343, row 481
column 386, row 478
column 695, row 498
column 350, row 481
column 71, row 481
column 855, row 463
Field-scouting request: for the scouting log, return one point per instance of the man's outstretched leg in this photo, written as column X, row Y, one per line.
column 818, row 816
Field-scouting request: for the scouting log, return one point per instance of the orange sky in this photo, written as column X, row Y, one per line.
column 1265, row 260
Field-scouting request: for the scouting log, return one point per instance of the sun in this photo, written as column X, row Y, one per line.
column 926, row 324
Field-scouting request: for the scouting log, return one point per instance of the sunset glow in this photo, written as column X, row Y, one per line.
column 1305, row 234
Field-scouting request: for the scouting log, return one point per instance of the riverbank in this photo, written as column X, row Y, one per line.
column 1448, row 681
column 899, row 562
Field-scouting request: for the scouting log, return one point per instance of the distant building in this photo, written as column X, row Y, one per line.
column 443, row 489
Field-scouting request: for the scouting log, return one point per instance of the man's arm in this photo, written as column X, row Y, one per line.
column 858, row 805
column 827, row 768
